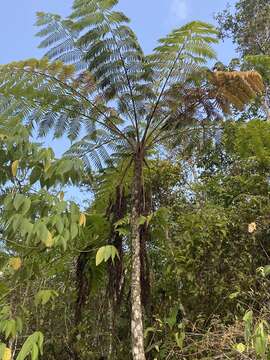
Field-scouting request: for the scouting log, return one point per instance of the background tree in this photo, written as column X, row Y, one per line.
column 37, row 226
column 248, row 26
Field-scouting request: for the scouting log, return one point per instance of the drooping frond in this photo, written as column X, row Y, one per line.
column 94, row 148
column 101, row 149
column 239, row 87
column 51, row 95
column 184, row 109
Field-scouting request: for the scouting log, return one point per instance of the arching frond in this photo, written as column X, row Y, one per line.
column 184, row 49
column 55, row 97
column 50, row 93
column 183, row 52
column 114, row 55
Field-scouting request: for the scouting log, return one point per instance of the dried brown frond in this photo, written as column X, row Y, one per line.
column 238, row 87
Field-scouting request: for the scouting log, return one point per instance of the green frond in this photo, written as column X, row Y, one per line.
column 60, row 37
column 53, row 96
column 190, row 44
column 113, row 54
column 183, row 52
column 95, row 149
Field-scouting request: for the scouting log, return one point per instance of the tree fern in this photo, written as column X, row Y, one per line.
column 61, row 39
column 123, row 103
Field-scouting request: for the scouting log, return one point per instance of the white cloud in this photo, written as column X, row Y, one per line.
column 178, row 9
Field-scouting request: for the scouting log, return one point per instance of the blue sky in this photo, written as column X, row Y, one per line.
column 151, row 19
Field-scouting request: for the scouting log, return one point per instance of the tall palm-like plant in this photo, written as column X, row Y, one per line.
column 95, row 84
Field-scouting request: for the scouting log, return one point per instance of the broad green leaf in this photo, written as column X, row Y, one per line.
column 16, row 221
column 248, row 319
column 106, row 252
column 74, row 213
column 18, row 201
column 26, row 206
column 179, row 338
column 59, row 225
column 26, row 227
column 19, row 324
column 10, row 328
column 42, row 232
column 260, row 340
column 34, row 352
column 73, row 231
column 35, row 339
column 100, row 255
column 44, row 296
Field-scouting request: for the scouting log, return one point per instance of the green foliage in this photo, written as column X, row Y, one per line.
column 44, row 296
column 185, row 47
column 105, row 253
column 247, row 26
column 33, row 346
column 252, row 141
column 9, row 326
column 260, row 63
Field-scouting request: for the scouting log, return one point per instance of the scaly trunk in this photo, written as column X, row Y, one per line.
column 136, row 305
column 111, row 331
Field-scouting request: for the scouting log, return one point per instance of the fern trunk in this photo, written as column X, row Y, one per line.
column 136, row 304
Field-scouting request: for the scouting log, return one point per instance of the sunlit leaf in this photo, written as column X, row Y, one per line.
column 14, row 167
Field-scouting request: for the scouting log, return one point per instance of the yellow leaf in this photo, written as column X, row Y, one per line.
column 240, row 347
column 47, row 165
column 49, row 242
column 15, row 263
column 82, row 221
column 7, row 354
column 61, row 195
column 14, row 167
column 252, row 227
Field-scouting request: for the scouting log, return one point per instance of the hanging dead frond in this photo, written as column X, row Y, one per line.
column 238, row 87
